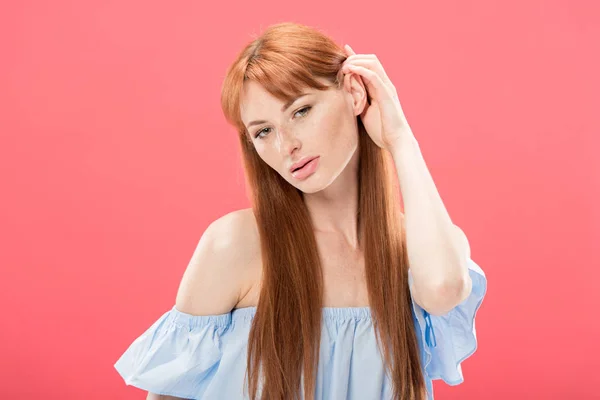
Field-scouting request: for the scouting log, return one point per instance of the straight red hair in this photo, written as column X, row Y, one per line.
column 283, row 347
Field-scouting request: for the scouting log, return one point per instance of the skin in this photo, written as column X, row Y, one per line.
column 328, row 129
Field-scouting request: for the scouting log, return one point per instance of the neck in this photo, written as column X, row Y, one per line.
column 334, row 209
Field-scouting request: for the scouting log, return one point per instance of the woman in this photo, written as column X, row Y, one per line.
column 308, row 294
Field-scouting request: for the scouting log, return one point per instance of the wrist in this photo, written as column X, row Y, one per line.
column 404, row 141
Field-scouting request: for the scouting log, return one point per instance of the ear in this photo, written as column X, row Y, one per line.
column 355, row 88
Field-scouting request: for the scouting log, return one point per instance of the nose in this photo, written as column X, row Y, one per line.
column 287, row 141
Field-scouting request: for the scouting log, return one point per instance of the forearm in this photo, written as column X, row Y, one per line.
column 437, row 253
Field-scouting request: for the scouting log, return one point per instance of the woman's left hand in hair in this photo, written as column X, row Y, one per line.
column 383, row 118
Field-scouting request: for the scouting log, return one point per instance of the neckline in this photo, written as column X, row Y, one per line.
column 338, row 313
column 246, row 314
column 323, row 308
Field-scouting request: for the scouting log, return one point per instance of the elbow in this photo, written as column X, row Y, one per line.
column 444, row 297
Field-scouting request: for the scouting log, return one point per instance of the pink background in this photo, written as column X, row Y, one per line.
column 114, row 157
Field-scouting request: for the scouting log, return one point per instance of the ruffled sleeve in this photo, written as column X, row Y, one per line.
column 449, row 339
column 187, row 356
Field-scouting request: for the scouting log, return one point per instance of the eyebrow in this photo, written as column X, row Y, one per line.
column 285, row 107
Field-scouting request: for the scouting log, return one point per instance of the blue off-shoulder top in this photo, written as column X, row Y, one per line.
column 204, row 357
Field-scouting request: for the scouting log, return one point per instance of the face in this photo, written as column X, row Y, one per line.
column 319, row 124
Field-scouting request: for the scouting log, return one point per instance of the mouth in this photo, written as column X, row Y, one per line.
column 307, row 169
column 302, row 166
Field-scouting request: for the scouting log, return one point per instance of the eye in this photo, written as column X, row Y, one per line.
column 257, row 136
column 303, row 110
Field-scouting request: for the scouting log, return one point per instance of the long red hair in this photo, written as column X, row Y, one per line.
column 283, row 345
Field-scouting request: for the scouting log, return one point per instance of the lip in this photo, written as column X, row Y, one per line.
column 302, row 162
column 308, row 169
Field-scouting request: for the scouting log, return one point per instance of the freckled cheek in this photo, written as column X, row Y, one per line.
column 271, row 157
column 334, row 136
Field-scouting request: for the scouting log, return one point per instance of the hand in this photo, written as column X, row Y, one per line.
column 383, row 118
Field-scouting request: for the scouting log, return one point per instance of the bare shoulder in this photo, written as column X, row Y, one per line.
column 221, row 267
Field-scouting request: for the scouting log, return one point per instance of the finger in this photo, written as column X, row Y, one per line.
column 349, row 49
column 372, row 80
column 369, row 58
column 361, row 56
column 354, row 57
column 373, row 65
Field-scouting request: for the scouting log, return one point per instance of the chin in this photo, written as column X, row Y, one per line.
column 309, row 190
column 313, row 184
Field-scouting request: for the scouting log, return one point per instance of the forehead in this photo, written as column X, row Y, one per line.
column 255, row 96
column 257, row 102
